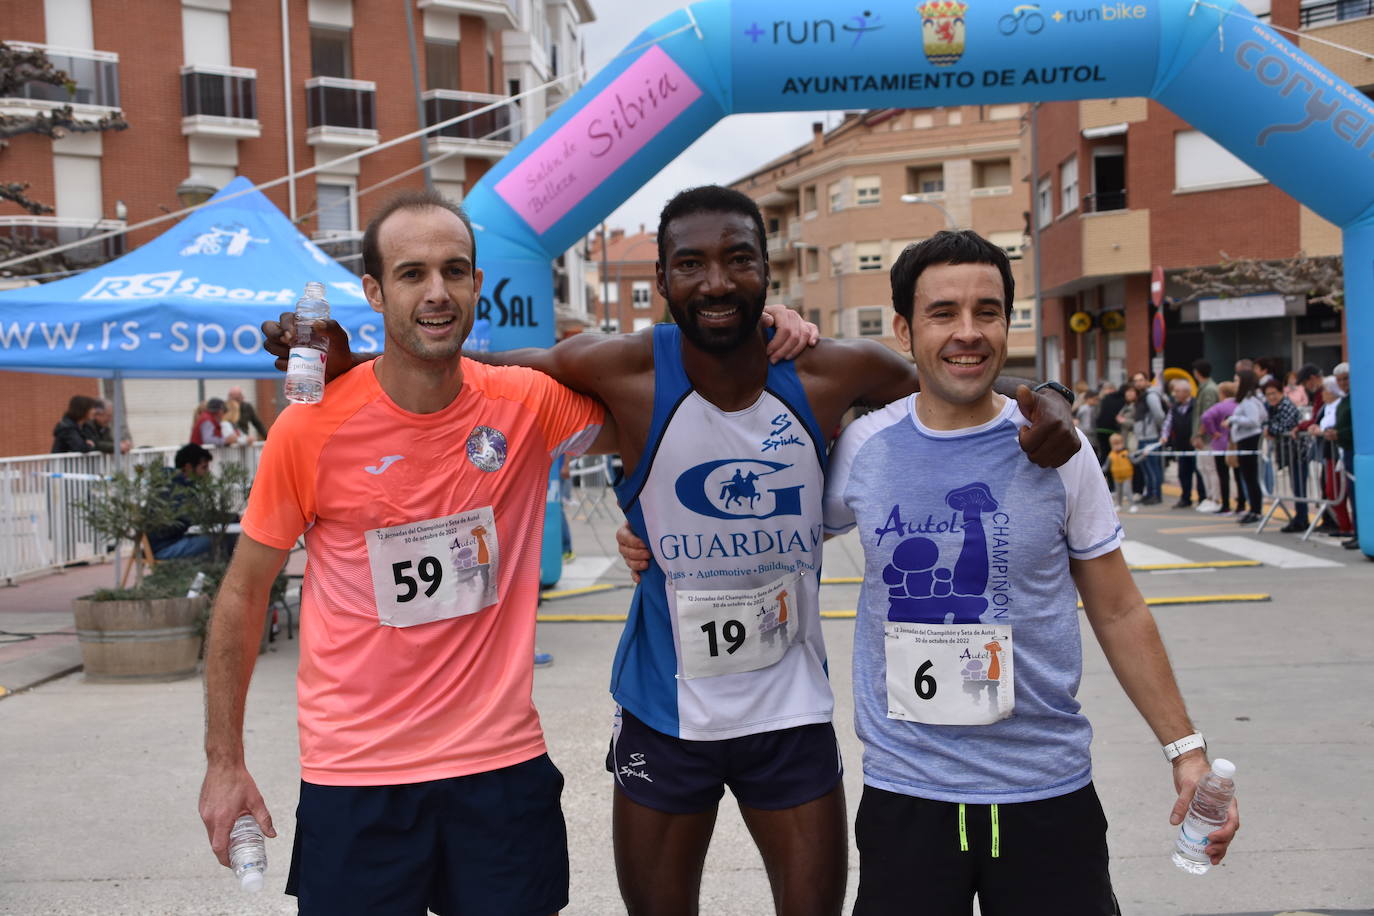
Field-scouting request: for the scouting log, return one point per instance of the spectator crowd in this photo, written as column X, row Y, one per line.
column 1265, row 431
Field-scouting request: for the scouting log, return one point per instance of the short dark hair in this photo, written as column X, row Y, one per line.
column 948, row 246
column 1272, row 381
column 1202, row 367
column 191, row 454
column 1308, row 371
column 710, row 198
column 78, row 407
column 410, row 199
column 215, row 404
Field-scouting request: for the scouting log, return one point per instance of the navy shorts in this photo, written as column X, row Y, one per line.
column 769, row 770
column 473, row 845
column 931, row 857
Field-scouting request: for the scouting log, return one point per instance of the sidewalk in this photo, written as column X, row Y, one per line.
column 100, row 780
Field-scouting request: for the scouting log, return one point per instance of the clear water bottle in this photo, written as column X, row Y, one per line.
column 305, row 363
column 1211, row 802
column 197, row 584
column 247, row 853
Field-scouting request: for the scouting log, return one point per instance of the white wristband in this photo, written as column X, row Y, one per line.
column 1184, row 745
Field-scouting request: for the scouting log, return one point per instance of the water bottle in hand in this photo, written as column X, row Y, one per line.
column 247, row 853
column 305, row 362
column 1211, row 802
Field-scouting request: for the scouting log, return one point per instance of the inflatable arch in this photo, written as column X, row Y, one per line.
column 1209, row 61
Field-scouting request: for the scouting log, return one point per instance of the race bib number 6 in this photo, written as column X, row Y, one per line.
column 726, row 632
column 436, row 569
column 949, row 674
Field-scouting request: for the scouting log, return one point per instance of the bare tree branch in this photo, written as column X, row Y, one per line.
column 1320, row 280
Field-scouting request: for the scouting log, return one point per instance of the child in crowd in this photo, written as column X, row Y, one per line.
column 1122, row 469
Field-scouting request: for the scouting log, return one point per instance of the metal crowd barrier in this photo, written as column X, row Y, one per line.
column 592, row 490
column 1293, row 470
column 41, row 527
column 1307, row 470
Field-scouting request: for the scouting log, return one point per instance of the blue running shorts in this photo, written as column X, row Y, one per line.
column 474, row 845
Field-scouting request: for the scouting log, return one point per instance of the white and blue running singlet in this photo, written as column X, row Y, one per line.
column 723, row 637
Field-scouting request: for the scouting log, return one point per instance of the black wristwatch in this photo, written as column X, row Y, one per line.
column 1055, row 386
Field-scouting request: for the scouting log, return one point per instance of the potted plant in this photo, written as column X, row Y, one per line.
column 151, row 631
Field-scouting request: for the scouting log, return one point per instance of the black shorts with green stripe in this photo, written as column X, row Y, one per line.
column 932, row 857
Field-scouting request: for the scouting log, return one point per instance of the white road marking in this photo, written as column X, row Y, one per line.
column 583, row 571
column 1268, row 554
column 1138, row 553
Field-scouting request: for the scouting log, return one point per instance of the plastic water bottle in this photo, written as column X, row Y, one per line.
column 305, row 363
column 197, row 584
column 1208, row 811
column 247, row 853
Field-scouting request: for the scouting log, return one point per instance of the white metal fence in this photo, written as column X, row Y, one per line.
column 40, row 525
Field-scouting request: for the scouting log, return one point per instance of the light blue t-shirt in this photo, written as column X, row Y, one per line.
column 959, row 527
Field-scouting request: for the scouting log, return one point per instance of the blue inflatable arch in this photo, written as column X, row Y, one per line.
column 1212, row 63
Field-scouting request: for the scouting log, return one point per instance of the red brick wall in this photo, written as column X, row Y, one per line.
column 1258, row 221
column 31, row 405
column 1061, row 248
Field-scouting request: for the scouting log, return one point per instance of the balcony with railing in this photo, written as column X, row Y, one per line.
column 1103, row 201
column 497, row 14
column 490, row 134
column 219, row 101
column 56, row 230
column 341, row 112
column 1317, row 14
column 95, row 73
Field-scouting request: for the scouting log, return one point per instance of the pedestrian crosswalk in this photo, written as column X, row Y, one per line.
column 1229, row 547
column 1268, row 553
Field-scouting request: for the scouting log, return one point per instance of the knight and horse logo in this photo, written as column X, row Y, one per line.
column 942, row 31
column 486, row 448
column 738, row 488
column 919, row 588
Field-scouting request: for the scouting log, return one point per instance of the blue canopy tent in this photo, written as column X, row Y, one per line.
column 187, row 304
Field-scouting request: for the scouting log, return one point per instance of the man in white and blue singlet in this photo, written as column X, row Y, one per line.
column 977, row 772
column 720, row 674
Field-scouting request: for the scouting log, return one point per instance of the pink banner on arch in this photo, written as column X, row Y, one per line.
column 636, row 106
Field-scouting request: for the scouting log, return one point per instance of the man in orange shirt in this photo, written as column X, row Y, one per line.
column 425, row 782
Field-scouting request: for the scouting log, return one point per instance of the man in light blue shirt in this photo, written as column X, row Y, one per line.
column 977, row 771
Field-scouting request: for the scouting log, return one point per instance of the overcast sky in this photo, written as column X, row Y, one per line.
column 734, row 147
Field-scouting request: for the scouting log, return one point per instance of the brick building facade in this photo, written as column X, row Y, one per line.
column 1124, row 186
column 214, row 104
column 839, row 210
column 627, row 298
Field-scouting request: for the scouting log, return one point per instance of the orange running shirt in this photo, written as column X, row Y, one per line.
column 423, row 537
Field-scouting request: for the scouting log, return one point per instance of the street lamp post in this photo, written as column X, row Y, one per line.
column 950, row 221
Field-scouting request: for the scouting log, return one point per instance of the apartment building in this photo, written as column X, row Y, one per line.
column 263, row 88
column 839, row 210
column 621, row 288
column 1124, row 187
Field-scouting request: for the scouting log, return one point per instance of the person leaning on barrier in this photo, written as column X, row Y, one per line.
column 70, row 434
column 101, row 430
column 1289, row 450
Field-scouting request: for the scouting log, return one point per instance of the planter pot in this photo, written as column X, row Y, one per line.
column 154, row 639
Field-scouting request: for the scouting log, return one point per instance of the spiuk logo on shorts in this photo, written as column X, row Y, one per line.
column 487, row 448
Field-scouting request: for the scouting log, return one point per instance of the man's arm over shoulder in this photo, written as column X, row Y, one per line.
column 839, row 374
column 588, row 363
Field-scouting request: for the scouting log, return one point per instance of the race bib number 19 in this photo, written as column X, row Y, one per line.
column 949, row 674
column 726, row 632
column 436, row 569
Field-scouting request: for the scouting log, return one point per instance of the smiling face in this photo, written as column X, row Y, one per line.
column 714, row 278
column 428, row 289
column 957, row 334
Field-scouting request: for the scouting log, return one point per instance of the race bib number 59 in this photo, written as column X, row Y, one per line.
column 436, row 569
column 949, row 674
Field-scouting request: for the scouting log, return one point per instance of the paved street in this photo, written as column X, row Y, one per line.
column 98, row 782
